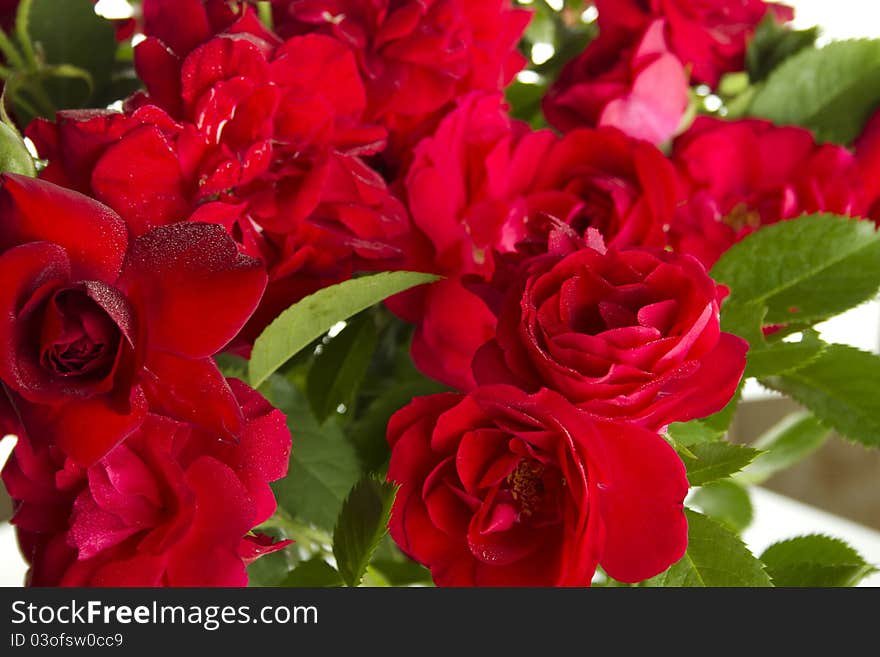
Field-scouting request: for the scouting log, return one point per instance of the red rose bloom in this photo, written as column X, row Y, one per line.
column 629, row 82
column 741, row 175
column 183, row 25
column 500, row 488
column 867, row 149
column 416, row 56
column 709, row 36
column 96, row 325
column 171, row 506
column 261, row 141
column 465, row 193
column 629, row 334
column 625, row 188
column 485, row 189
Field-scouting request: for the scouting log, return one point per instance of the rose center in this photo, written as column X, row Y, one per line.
column 527, row 485
column 742, row 217
column 78, row 337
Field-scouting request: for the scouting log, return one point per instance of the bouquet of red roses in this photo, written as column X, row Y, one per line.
column 407, row 291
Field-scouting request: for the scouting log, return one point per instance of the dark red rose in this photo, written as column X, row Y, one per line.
column 625, row 188
column 416, row 56
column 630, row 82
column 97, row 326
column 741, row 175
column 183, row 25
column 502, row 488
column 171, row 506
column 708, row 36
column 485, row 189
column 265, row 144
column 630, row 334
column 465, row 191
column 867, row 149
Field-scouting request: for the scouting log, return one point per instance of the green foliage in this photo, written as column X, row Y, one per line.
column 778, row 276
column 695, row 432
column 707, row 462
column 313, row 573
column 363, row 522
column 338, row 370
column 14, row 156
column 789, row 442
column 815, row 560
column 323, row 464
column 310, row 318
column 831, row 91
column 725, row 501
column 774, row 43
column 61, row 56
column 841, row 389
column 715, row 557
column 783, row 357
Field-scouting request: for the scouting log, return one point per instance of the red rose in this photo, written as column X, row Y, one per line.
column 629, row 82
column 465, row 190
column 183, row 25
column 741, row 175
column 629, row 334
column 867, row 149
column 625, row 188
column 485, row 189
column 500, row 488
column 96, row 326
column 416, row 56
column 171, row 506
column 266, row 145
column 709, row 37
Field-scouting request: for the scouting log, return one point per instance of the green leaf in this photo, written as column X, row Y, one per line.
column 232, row 366
column 715, row 557
column 815, row 560
column 268, row 570
column 363, row 522
column 772, row 44
column 783, row 357
column 721, row 420
column 840, row 388
column 727, row 502
column 403, row 573
column 695, row 432
column 313, row 573
column 780, row 274
column 368, row 431
column 789, row 442
column 323, row 464
column 712, row 461
column 831, row 91
column 339, row 368
column 14, row 156
column 310, row 318
column 69, row 33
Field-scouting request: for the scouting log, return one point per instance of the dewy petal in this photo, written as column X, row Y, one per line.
column 193, row 391
column 641, row 490
column 26, row 270
column 94, row 236
column 194, row 289
column 85, row 429
column 140, row 177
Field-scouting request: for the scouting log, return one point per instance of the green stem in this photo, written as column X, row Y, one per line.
column 10, row 52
